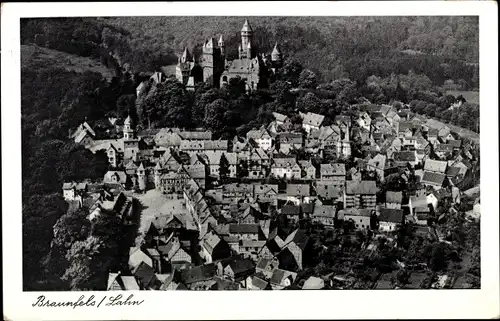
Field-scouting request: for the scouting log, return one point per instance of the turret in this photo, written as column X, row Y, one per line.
column 186, row 56
column 276, row 54
column 157, row 175
column 128, row 129
column 141, row 177
column 221, row 46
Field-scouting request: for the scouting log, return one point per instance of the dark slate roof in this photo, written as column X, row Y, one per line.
column 405, row 156
column 145, row 274
column 290, row 210
column 199, row 273
column 243, row 228
column 240, row 265
column 435, row 178
column 452, row 171
column 259, row 283
column 391, row 215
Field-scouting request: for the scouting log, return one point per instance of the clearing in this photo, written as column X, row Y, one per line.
column 33, row 56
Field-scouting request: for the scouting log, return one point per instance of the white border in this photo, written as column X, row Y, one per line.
column 482, row 303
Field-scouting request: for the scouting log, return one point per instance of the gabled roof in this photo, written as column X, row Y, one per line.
column 324, row 211
column 244, row 228
column 199, row 273
column 333, row 169
column 313, row 283
column 312, row 119
column 280, row 117
column 405, row 156
column 433, row 178
column 298, row 189
column 435, row 166
column 299, row 237
column 279, row 275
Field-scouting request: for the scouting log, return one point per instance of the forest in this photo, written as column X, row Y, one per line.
column 344, row 62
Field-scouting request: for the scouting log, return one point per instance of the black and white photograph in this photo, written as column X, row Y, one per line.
column 251, row 152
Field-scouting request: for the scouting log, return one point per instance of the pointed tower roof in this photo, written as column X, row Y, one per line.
column 157, row 166
column 246, row 26
column 128, row 120
column 276, row 50
column 210, row 43
column 221, row 41
column 249, row 45
column 239, row 46
column 186, row 56
column 141, row 167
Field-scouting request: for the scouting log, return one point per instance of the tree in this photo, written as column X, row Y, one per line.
column 307, row 79
column 223, row 167
column 70, row 228
column 290, row 72
column 88, row 266
column 214, row 113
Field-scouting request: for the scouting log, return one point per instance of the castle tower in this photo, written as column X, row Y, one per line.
column 141, row 177
column 128, row 129
column 208, row 60
column 221, row 46
column 246, row 41
column 276, row 57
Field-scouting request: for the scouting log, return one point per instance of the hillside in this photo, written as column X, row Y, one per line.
column 36, row 57
column 333, row 47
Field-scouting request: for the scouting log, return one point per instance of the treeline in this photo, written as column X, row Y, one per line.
column 443, row 48
column 333, row 47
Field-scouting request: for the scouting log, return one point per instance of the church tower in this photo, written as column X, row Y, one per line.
column 246, row 41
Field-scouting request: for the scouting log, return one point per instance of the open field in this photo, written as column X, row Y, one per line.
column 470, row 96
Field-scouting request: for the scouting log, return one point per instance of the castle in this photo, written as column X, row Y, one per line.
column 253, row 68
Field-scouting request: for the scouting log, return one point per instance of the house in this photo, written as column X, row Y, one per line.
column 405, row 129
column 292, row 212
column 393, row 200
column 403, row 158
column 443, row 151
column 360, row 217
column 266, row 266
column 436, row 180
column 214, row 159
column 116, row 177
column 335, row 174
column 265, row 193
column 435, row 166
column 245, row 231
column 251, row 248
column 199, row 277
column 324, row 214
column 297, row 244
column 281, row 279
column 311, row 121
column 455, row 143
column 146, row 277
column 286, row 168
column 118, row 282
column 214, row 248
column 74, row 191
column 377, row 165
column 298, row 193
column 360, row 194
column 364, row 120
column 289, row 141
column 327, row 191
column 280, row 118
column 389, row 219
column 236, row 268
column 262, row 137
column 419, row 209
column 308, row 169
column 313, row 283
column 257, row 283
column 136, row 257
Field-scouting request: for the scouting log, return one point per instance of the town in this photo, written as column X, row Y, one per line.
column 368, row 198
